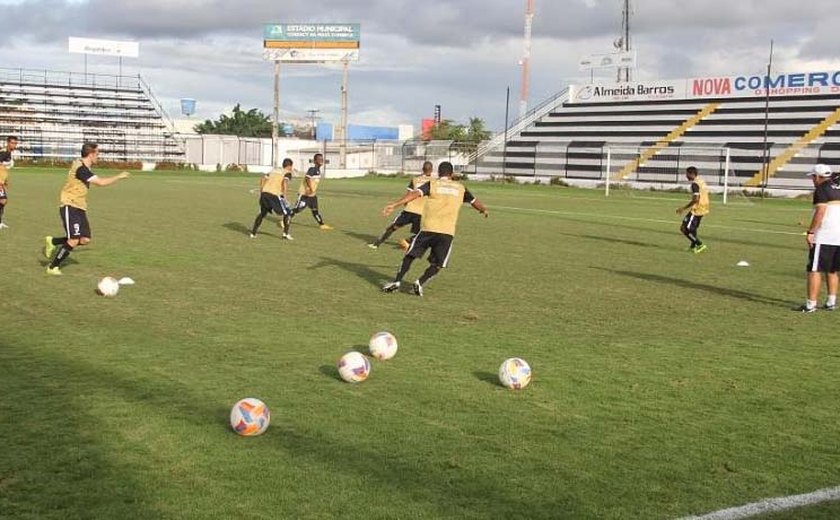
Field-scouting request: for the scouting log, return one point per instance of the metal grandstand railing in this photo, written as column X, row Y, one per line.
column 520, row 124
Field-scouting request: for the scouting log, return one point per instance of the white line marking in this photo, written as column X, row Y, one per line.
column 772, row 505
column 641, row 219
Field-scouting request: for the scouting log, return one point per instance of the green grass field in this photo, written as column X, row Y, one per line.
column 666, row 383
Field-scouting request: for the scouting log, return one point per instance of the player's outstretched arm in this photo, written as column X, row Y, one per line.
column 107, row 181
column 408, row 197
column 481, row 208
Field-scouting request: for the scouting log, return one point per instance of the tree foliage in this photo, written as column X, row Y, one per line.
column 473, row 132
column 252, row 123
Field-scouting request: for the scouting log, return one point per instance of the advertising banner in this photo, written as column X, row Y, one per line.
column 312, row 42
column 104, row 47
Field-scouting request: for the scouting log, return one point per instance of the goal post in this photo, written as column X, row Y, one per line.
column 629, row 168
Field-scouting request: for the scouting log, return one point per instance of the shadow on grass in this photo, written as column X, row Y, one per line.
column 688, row 284
column 488, row 377
column 330, row 371
column 237, row 227
column 611, row 240
column 362, row 237
column 363, row 271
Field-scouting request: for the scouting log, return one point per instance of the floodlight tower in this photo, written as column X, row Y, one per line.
column 526, row 58
column 623, row 42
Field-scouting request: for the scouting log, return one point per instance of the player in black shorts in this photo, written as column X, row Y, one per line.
column 6, row 163
column 823, row 239
column 273, row 189
column 411, row 215
column 74, row 208
column 308, row 194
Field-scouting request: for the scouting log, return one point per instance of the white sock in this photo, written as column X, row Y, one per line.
column 811, row 304
column 832, row 300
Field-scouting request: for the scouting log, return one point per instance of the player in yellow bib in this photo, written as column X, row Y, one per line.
column 74, row 207
column 444, row 198
column 273, row 190
column 698, row 208
column 411, row 214
column 308, row 194
column 6, row 163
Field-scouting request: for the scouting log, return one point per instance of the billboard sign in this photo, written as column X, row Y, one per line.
column 97, row 47
column 712, row 87
column 612, row 60
column 312, row 42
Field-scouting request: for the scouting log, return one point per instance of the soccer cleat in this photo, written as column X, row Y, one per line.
column 700, row 248
column 325, row 227
column 830, row 308
column 691, row 249
column 54, row 271
column 391, row 287
column 287, row 236
column 417, row 289
column 49, row 248
column 252, row 235
column 3, row 226
column 806, row 309
column 404, row 245
column 373, row 246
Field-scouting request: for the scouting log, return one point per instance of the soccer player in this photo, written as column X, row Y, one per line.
column 6, row 163
column 824, row 238
column 273, row 190
column 698, row 208
column 74, row 207
column 411, row 214
column 308, row 194
column 437, row 227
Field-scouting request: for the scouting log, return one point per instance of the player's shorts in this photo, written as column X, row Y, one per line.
column 439, row 243
column 824, row 259
column 75, row 222
column 3, row 193
column 274, row 203
column 407, row 218
column 691, row 223
column 307, row 202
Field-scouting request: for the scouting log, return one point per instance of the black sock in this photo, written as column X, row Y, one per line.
column 385, row 236
column 287, row 224
column 2, row 210
column 62, row 255
column 57, row 241
column 406, row 265
column 430, row 273
column 258, row 222
column 318, row 217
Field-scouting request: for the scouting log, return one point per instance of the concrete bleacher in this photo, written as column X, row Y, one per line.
column 653, row 141
column 53, row 113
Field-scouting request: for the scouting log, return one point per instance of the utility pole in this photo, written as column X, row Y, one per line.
column 344, row 102
column 275, row 128
column 623, row 42
column 765, row 159
column 313, row 117
column 526, row 58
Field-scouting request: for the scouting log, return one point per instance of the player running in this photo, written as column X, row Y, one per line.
column 273, row 190
column 6, row 164
column 411, row 214
column 308, row 194
column 698, row 208
column 437, row 227
column 74, row 207
column 824, row 239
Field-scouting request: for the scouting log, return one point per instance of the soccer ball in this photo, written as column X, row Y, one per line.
column 250, row 417
column 108, row 286
column 515, row 374
column 353, row 367
column 383, row 346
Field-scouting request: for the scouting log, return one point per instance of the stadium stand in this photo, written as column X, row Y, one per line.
column 652, row 141
column 53, row 113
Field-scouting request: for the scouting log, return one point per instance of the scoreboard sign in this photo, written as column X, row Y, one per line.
column 307, row 43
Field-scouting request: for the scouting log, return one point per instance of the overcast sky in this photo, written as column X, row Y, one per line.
column 461, row 54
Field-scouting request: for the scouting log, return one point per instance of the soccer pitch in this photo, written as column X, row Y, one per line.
column 665, row 383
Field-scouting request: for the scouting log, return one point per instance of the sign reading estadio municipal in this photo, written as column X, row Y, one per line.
column 306, row 42
column 714, row 87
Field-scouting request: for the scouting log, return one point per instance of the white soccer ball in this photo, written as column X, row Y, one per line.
column 250, row 417
column 515, row 374
column 108, row 286
column 353, row 367
column 383, row 346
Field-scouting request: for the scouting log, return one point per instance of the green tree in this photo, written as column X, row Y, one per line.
column 252, row 123
column 477, row 131
column 472, row 133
